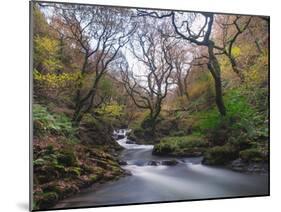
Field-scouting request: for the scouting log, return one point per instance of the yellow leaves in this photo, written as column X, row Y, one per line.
column 46, row 52
column 236, row 51
column 113, row 109
column 56, row 80
column 258, row 73
column 46, row 43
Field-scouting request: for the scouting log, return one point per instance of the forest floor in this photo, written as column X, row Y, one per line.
column 63, row 165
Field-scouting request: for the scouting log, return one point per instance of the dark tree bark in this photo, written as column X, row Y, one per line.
column 214, row 68
column 201, row 38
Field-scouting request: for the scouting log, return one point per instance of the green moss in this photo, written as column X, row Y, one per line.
column 164, row 148
column 251, row 155
column 180, row 146
column 94, row 178
column 220, row 155
column 139, row 132
column 178, row 133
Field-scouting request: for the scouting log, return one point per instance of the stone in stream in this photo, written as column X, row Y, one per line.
column 238, row 165
column 169, row 162
column 242, row 166
column 120, row 136
column 122, row 163
column 130, row 142
column 153, row 163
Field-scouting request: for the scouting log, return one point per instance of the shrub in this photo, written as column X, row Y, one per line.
column 45, row 122
column 66, row 158
column 241, row 119
column 138, row 132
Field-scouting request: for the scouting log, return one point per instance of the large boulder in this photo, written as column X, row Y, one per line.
column 220, row 155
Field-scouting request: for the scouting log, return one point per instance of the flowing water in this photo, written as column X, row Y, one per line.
column 188, row 180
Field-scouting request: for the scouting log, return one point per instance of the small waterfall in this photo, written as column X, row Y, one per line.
column 121, row 138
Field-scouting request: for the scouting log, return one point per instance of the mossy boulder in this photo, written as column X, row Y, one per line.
column 252, row 155
column 164, row 148
column 142, row 136
column 240, row 141
column 188, row 146
column 220, row 155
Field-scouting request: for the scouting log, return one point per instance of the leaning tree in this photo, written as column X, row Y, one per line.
column 99, row 33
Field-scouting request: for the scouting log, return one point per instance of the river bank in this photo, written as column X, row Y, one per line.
column 156, row 179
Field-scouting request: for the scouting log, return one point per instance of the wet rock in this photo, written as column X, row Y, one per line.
column 122, row 162
column 127, row 172
column 260, row 168
column 130, row 142
column 120, row 136
column 220, row 155
column 238, row 165
column 242, row 166
column 153, row 163
column 169, row 162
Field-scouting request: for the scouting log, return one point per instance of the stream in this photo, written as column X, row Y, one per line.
column 151, row 181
